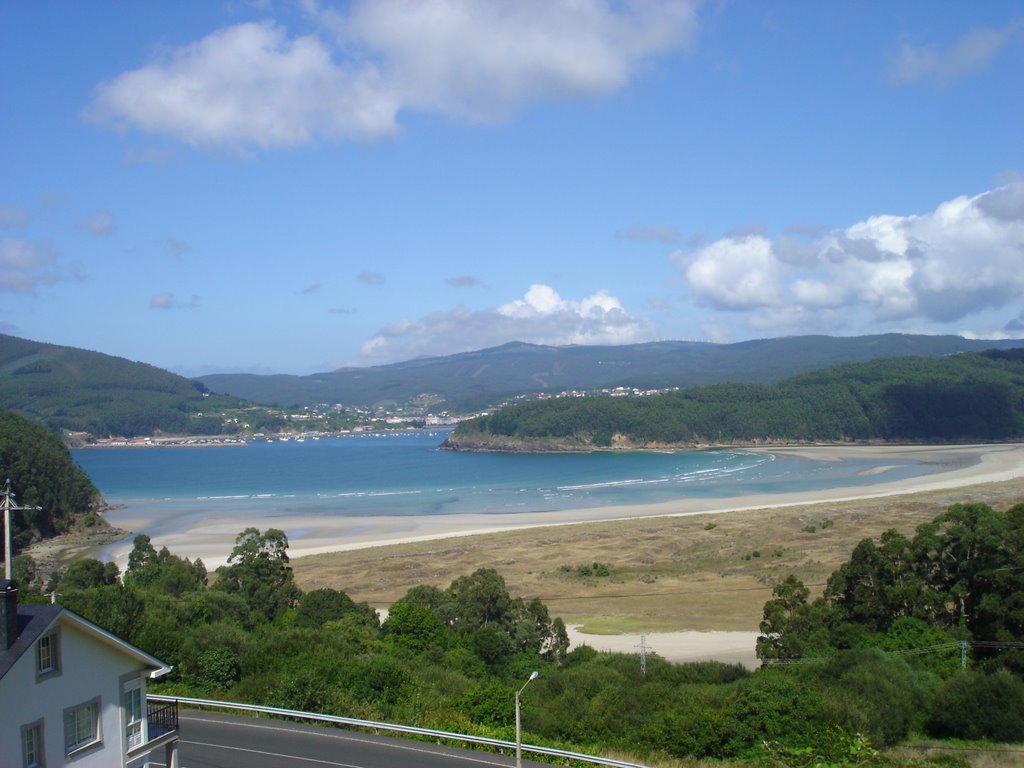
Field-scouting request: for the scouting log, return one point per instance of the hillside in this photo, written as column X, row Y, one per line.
column 43, row 474
column 961, row 398
column 475, row 380
column 78, row 390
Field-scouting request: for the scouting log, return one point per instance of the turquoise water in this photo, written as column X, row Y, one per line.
column 404, row 474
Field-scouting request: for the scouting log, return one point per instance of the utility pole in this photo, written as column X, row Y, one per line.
column 8, row 505
column 643, row 655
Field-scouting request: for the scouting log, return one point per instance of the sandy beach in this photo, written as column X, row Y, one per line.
column 953, row 467
column 957, row 465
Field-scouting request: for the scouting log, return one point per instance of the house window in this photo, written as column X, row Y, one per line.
column 134, row 719
column 82, row 726
column 48, row 655
column 32, row 745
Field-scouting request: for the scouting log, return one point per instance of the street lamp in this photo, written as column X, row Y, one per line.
column 519, row 736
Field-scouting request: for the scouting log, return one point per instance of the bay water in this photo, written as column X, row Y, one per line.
column 404, row 473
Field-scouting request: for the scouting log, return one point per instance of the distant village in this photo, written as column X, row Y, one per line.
column 260, row 423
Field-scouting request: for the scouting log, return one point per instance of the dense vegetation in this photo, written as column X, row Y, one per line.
column 965, row 397
column 471, row 381
column 76, row 390
column 42, row 474
column 960, row 577
column 884, row 636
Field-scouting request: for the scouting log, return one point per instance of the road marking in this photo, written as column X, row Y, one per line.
column 273, row 754
column 339, row 736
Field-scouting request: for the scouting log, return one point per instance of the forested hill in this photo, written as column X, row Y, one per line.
column 43, row 474
column 961, row 398
column 79, row 390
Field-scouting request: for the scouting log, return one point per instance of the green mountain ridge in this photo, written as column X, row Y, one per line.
column 78, row 390
column 73, row 389
column 471, row 381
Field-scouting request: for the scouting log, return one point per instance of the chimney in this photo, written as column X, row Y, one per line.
column 8, row 614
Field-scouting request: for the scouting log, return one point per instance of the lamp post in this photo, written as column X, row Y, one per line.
column 519, row 737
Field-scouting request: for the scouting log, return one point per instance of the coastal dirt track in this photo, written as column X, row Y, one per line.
column 700, row 572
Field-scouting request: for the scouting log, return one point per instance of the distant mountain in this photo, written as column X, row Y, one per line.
column 78, row 390
column 475, row 380
column 959, row 398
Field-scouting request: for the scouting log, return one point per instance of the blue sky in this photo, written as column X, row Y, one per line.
column 289, row 186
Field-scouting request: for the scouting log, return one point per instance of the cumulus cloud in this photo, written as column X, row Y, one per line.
column 737, row 273
column 970, row 55
column 25, row 266
column 960, row 260
column 256, row 85
column 541, row 316
column 167, row 300
column 99, row 223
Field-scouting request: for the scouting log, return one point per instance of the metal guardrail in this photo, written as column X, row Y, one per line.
column 373, row 725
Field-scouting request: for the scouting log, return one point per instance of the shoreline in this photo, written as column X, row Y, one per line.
column 953, row 467
column 212, row 539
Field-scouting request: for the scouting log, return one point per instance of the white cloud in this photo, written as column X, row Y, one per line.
column 371, row 278
column 957, row 262
column 99, row 223
column 13, row 216
column 657, row 234
column 167, row 300
column 176, row 246
column 254, row 85
column 736, row 273
column 541, row 316
column 463, row 281
column 24, row 266
column 970, row 55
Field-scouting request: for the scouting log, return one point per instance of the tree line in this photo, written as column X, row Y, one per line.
column 450, row 659
column 958, row 398
column 43, row 474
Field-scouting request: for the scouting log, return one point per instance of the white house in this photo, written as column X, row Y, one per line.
column 74, row 694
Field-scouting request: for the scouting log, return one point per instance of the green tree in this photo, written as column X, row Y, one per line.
column 792, row 628
column 321, row 606
column 86, row 574
column 881, row 583
column 258, row 572
column 416, row 627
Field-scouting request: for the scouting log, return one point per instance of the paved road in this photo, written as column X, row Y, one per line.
column 227, row 741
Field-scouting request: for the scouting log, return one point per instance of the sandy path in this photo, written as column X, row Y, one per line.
column 678, row 647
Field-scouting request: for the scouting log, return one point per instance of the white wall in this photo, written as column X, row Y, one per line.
column 89, row 668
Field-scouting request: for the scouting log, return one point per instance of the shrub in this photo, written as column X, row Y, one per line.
column 974, row 705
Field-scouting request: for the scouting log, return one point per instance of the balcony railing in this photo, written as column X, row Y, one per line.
column 162, row 717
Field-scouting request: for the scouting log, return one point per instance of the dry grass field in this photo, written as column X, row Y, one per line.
column 699, row 572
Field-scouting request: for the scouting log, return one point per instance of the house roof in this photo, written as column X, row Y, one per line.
column 35, row 620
